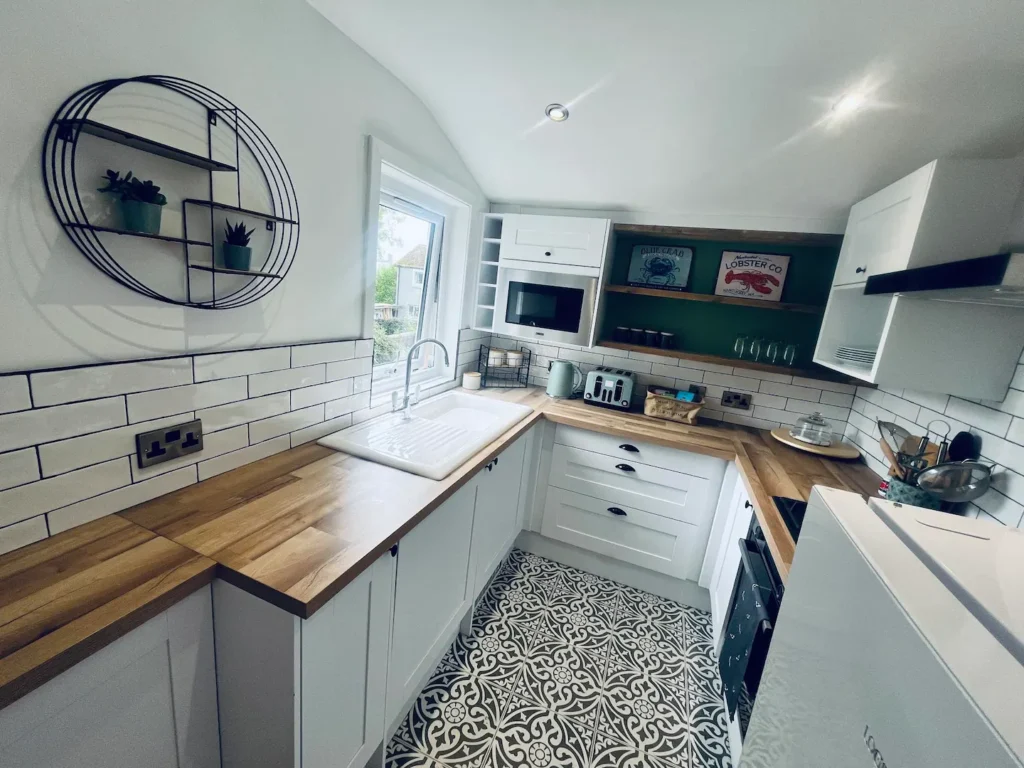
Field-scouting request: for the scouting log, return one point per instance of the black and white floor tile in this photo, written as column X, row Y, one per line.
column 564, row 669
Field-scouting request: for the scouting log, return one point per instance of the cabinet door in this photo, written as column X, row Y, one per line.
column 148, row 700
column 554, row 239
column 431, row 595
column 497, row 511
column 344, row 671
column 881, row 230
column 724, row 579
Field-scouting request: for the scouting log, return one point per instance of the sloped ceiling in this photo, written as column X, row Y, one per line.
column 700, row 108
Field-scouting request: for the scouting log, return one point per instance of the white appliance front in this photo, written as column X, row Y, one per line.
column 545, row 305
column 875, row 661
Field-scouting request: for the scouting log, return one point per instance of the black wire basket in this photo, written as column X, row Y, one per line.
column 506, row 376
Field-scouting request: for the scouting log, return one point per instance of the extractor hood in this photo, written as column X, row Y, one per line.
column 995, row 279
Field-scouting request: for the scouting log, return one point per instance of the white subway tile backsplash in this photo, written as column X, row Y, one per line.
column 1003, row 452
column 656, row 359
column 671, row 371
column 93, row 382
column 225, row 365
column 77, row 452
column 213, row 445
column 927, row 399
column 30, row 500
column 345, row 405
column 589, row 358
column 42, row 425
column 1003, row 509
column 121, row 499
column 18, row 468
column 346, row 369
column 837, row 398
column 311, row 354
column 285, row 423
column 362, row 383
column 1013, row 403
column 901, row 407
column 157, row 403
column 988, row 419
column 749, row 421
column 775, row 415
column 1018, row 378
column 603, row 351
column 1009, row 483
column 229, row 461
column 690, row 374
column 233, row 414
column 280, row 381
column 1016, row 433
column 733, row 382
column 871, row 395
column 315, row 432
column 781, row 378
column 832, row 386
column 364, row 348
column 22, row 534
column 790, row 390
column 303, row 398
column 14, row 394
column 829, row 411
column 701, row 365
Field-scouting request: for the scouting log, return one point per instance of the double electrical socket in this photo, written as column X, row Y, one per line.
column 736, row 400
column 166, row 443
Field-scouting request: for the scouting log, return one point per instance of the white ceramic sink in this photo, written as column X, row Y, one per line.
column 441, row 434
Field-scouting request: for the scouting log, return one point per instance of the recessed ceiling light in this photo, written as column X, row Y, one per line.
column 849, row 104
column 557, row 112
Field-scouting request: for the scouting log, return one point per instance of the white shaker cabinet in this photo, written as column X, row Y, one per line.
column 732, row 522
column 147, row 700
column 566, row 240
column 304, row 692
column 431, row 596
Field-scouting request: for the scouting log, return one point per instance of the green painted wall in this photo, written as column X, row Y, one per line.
column 711, row 329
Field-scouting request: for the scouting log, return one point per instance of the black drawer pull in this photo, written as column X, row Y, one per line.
column 747, row 504
column 630, row 448
column 625, row 467
column 617, row 511
column 496, row 460
column 858, row 270
column 394, row 550
column 547, row 253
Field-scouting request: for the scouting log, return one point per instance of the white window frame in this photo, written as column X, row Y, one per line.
column 406, row 177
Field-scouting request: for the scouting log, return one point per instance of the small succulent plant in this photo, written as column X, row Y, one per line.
column 236, row 234
column 132, row 188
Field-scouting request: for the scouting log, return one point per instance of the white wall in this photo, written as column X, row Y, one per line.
column 311, row 89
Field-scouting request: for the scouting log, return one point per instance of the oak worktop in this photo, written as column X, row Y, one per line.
column 297, row 527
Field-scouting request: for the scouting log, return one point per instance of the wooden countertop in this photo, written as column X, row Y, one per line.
column 295, row 528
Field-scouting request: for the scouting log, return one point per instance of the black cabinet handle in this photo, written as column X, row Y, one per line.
column 858, row 270
column 630, row 448
column 747, row 504
column 547, row 253
column 394, row 550
column 490, row 466
column 496, row 460
column 625, row 467
column 617, row 511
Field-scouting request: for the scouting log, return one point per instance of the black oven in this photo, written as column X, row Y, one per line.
column 552, row 306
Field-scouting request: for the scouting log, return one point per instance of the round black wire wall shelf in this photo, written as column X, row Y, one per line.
column 238, row 287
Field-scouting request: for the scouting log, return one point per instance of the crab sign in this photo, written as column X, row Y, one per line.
column 752, row 281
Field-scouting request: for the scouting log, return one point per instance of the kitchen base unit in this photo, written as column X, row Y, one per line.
column 304, row 692
column 147, row 699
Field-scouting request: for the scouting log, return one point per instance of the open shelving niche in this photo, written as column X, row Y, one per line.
column 487, row 272
column 60, row 154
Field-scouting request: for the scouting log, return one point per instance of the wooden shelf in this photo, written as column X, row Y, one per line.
column 131, row 233
column 128, row 139
column 711, row 299
column 243, row 272
column 732, row 361
column 733, row 235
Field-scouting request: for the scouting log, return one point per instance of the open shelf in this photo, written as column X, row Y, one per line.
column 720, row 360
column 236, row 209
column 128, row 139
column 130, row 233
column 733, row 235
column 711, row 299
column 242, row 272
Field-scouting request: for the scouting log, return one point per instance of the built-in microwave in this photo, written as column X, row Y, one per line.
column 545, row 306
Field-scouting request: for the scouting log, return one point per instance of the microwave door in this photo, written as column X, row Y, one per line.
column 542, row 305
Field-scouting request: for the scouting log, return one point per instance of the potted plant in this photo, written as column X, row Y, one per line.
column 141, row 202
column 237, row 253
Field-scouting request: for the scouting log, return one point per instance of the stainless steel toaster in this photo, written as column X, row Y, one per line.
column 609, row 387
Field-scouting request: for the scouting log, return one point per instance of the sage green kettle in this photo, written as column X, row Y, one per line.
column 564, row 378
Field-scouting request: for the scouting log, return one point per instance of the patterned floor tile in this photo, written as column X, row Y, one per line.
column 495, row 652
column 609, row 753
column 654, row 650
column 664, row 614
column 534, row 736
column 454, row 719
column 645, row 713
column 585, row 624
column 707, row 732
column 563, row 678
column 697, row 627
column 400, row 755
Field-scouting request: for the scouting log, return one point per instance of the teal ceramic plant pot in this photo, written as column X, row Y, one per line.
column 141, row 217
column 237, row 256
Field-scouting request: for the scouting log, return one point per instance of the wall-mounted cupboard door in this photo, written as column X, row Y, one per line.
column 148, row 699
column 431, row 596
column 569, row 240
column 496, row 520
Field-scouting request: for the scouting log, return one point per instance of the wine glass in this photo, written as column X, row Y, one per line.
column 772, row 352
column 756, row 348
column 740, row 346
column 789, row 354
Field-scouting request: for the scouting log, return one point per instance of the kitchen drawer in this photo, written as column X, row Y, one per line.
column 670, row 494
column 554, row 239
column 634, row 536
column 646, row 453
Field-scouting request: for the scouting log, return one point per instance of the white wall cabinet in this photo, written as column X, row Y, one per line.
column 307, row 693
column 148, row 700
column 568, row 240
column 431, row 596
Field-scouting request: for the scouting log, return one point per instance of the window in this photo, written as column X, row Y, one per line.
column 406, row 290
